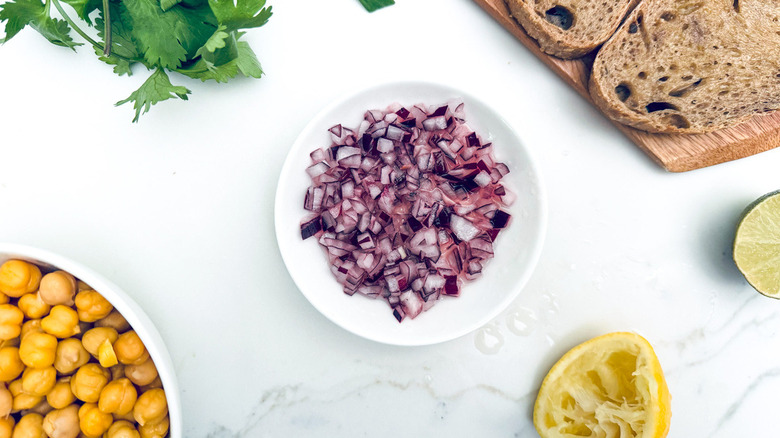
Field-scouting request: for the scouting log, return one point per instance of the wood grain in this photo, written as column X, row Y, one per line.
column 676, row 153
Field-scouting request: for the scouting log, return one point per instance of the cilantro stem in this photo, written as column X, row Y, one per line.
column 106, row 49
column 107, row 28
column 74, row 26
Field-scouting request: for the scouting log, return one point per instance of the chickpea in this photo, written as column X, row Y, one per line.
column 11, row 365
column 6, row 402
column 118, row 397
column 60, row 395
column 142, row 374
column 10, row 342
column 127, row 417
column 92, row 306
column 88, row 381
column 117, row 372
column 83, row 327
column 30, row 326
column 10, row 321
column 130, row 349
column 114, row 320
column 62, row 423
column 151, row 407
column 30, row 426
column 122, row 429
column 92, row 422
column 42, row 408
column 155, row 430
column 156, row 383
column 70, row 356
column 39, row 381
column 107, row 355
column 93, row 338
column 7, row 427
column 62, row 322
column 18, row 277
column 33, row 306
column 37, row 350
column 58, row 288
column 22, row 400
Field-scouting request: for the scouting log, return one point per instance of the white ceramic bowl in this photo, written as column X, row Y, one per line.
column 516, row 250
column 122, row 303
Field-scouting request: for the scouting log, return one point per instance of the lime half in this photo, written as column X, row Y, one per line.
column 757, row 244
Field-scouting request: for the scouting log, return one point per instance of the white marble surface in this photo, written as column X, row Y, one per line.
column 178, row 211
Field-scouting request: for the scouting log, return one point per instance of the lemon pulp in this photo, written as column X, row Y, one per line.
column 609, row 387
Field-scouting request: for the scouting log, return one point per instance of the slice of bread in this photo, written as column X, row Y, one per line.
column 691, row 66
column 569, row 28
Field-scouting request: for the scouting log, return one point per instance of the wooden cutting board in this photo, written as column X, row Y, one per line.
column 676, row 153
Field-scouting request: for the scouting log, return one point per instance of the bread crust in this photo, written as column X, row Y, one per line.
column 585, row 35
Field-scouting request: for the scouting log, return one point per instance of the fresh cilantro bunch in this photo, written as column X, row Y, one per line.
column 197, row 38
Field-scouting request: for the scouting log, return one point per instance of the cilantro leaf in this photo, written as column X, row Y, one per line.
column 56, row 31
column 244, row 14
column 222, row 57
column 156, row 89
column 247, row 61
column 84, row 7
column 167, row 38
column 20, row 13
column 216, row 41
column 167, row 4
column 205, row 71
column 123, row 49
column 373, row 5
column 121, row 66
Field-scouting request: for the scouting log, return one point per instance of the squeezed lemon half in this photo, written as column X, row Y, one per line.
column 611, row 386
column 757, row 244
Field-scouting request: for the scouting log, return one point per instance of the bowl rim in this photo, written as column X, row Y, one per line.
column 129, row 309
column 531, row 162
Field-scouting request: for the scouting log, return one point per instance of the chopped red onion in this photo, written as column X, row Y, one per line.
column 407, row 206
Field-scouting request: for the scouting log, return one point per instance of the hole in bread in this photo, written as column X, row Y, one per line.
column 667, row 16
column 687, row 77
column 641, row 75
column 660, row 106
column 663, row 79
column 560, row 16
column 723, row 92
column 736, row 6
column 623, row 91
column 673, row 67
column 678, row 121
column 633, row 28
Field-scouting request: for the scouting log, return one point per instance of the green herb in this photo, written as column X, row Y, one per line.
column 197, row 38
column 373, row 5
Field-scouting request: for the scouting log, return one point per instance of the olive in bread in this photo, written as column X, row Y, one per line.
column 690, row 66
column 569, row 28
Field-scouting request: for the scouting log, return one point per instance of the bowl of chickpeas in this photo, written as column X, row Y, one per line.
column 78, row 357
